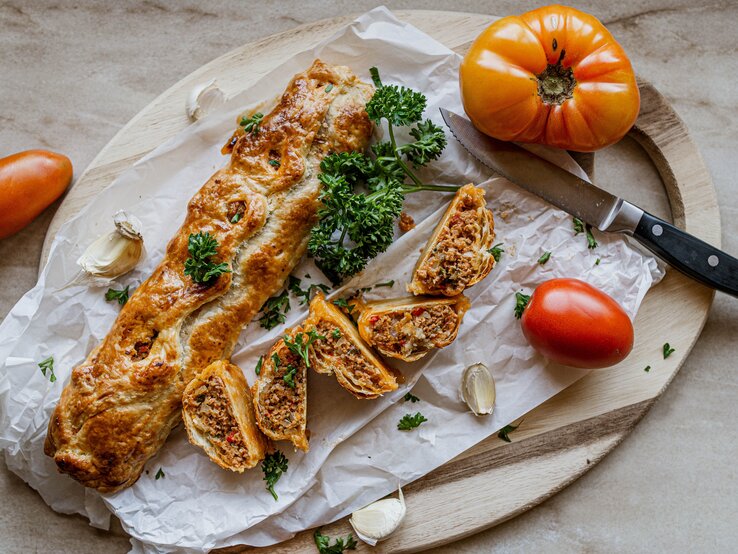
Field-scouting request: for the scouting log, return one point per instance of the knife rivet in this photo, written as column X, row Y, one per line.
column 713, row 261
column 657, row 230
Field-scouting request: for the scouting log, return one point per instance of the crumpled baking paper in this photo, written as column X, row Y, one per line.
column 356, row 452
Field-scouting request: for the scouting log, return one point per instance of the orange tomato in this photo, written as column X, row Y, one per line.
column 553, row 76
column 29, row 182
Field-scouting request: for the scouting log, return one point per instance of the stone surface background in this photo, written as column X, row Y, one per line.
column 73, row 73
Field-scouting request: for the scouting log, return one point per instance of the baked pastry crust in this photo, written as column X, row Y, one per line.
column 345, row 354
column 409, row 328
column 281, row 409
column 218, row 414
column 125, row 398
column 457, row 255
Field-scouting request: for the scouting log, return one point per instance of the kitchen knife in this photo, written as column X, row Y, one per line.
column 599, row 208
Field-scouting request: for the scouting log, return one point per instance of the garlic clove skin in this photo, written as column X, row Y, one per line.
column 116, row 253
column 478, row 389
column 203, row 98
column 379, row 520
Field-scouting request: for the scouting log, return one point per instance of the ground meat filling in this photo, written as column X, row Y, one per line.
column 281, row 404
column 213, row 417
column 414, row 330
column 351, row 362
column 450, row 265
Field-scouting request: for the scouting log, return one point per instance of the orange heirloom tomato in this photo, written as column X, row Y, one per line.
column 553, row 76
column 29, row 182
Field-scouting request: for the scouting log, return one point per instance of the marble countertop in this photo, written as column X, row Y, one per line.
column 73, row 73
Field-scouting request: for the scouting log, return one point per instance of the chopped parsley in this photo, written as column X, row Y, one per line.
column 289, row 376
column 329, row 87
column 343, row 303
column 324, row 546
column 260, row 363
column 274, row 310
column 409, row 421
column 48, row 365
column 521, row 302
column 252, row 124
column 385, row 284
column 506, row 430
column 647, row 368
column 336, row 333
column 543, row 259
column 159, row 474
column 236, row 218
column 496, row 251
column 410, row 398
column 299, row 346
column 581, row 227
column 305, row 295
column 668, row 350
column 276, row 360
column 273, row 466
column 274, row 163
column 120, row 295
column 597, row 261
column 202, row 246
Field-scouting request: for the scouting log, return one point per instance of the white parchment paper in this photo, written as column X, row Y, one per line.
column 356, row 454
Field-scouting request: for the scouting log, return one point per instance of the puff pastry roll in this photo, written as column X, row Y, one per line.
column 409, row 328
column 280, row 392
column 125, row 398
column 342, row 352
column 218, row 414
column 457, row 255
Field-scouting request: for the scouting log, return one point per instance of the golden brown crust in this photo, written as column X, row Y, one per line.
column 280, row 394
column 409, row 328
column 457, row 255
column 124, row 399
column 343, row 353
column 218, row 414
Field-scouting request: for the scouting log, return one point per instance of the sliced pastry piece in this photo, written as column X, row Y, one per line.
column 218, row 414
column 341, row 351
column 280, row 392
column 457, row 255
column 409, row 328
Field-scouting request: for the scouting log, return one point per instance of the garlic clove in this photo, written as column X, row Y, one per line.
column 379, row 520
column 116, row 253
column 128, row 225
column 478, row 389
column 203, row 98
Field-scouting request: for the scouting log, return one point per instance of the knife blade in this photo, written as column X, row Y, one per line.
column 607, row 212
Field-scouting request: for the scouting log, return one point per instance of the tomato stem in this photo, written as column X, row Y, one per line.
column 556, row 83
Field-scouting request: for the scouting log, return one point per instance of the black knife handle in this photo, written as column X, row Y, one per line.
column 688, row 254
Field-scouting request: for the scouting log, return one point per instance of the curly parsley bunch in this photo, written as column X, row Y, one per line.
column 363, row 194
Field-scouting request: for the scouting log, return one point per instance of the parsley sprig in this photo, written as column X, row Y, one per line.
column 506, row 430
column 203, row 246
column 324, row 546
column 496, row 251
column 357, row 225
column 120, row 295
column 273, row 466
column 410, row 421
column 299, row 346
column 48, row 365
column 667, row 350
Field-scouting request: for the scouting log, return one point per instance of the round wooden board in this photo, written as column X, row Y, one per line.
column 563, row 437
